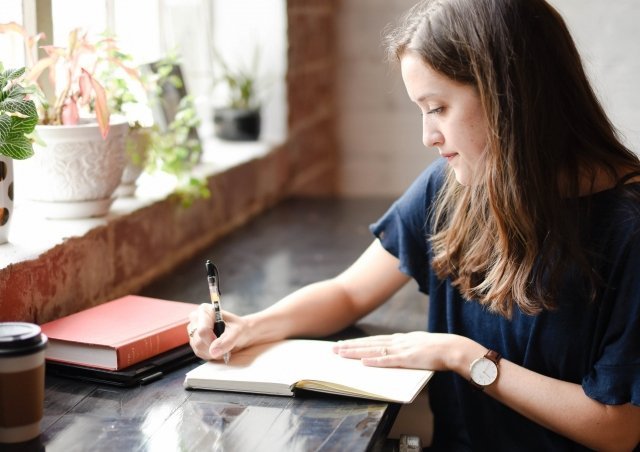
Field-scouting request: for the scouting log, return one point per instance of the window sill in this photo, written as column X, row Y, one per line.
column 51, row 268
column 31, row 235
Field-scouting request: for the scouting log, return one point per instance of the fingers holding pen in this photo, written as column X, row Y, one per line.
column 205, row 344
column 226, row 342
column 200, row 330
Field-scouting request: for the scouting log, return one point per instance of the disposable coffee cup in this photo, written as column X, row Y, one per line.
column 22, row 347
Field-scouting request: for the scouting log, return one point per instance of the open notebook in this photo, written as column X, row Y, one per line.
column 280, row 368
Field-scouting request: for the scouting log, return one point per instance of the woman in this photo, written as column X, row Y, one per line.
column 525, row 236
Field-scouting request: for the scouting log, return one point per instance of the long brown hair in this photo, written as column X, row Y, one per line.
column 509, row 236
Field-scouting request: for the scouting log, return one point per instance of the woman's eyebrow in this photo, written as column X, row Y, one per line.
column 426, row 96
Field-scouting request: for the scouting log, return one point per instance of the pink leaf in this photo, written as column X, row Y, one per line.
column 39, row 67
column 85, row 87
column 53, row 51
column 70, row 115
column 101, row 108
column 15, row 28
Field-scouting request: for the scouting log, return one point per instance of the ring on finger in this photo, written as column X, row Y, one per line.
column 383, row 352
column 192, row 331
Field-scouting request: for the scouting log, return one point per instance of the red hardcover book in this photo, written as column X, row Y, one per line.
column 118, row 333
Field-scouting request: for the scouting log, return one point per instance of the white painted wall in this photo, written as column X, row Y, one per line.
column 607, row 35
column 379, row 129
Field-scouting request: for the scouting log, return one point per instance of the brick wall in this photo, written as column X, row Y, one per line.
column 311, row 96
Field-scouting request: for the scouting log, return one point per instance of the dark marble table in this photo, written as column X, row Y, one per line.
column 297, row 242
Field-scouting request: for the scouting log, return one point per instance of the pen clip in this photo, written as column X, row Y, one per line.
column 211, row 267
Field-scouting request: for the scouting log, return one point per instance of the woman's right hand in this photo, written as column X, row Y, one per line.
column 204, row 342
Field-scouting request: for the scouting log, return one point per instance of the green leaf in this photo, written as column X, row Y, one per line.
column 18, row 117
column 19, row 92
column 13, row 144
column 12, row 74
column 19, row 148
column 5, row 126
column 8, row 75
column 22, row 113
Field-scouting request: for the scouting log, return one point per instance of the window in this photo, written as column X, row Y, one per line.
column 243, row 27
column 11, row 46
column 149, row 29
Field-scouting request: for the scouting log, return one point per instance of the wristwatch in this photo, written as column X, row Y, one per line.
column 484, row 370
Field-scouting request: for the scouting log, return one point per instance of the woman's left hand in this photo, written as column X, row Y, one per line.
column 416, row 350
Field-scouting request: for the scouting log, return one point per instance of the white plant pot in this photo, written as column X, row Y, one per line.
column 6, row 197
column 77, row 172
column 136, row 147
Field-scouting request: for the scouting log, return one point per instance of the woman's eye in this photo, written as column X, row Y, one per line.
column 435, row 111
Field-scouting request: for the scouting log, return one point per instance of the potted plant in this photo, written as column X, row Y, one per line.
column 174, row 147
column 162, row 120
column 127, row 95
column 240, row 118
column 79, row 160
column 18, row 118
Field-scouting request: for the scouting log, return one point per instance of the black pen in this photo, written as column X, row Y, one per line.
column 214, row 292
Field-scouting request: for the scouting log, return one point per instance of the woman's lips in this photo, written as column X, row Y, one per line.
column 450, row 156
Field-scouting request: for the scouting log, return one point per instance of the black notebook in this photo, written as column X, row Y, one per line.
column 139, row 374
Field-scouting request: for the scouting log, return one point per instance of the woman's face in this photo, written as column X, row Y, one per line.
column 453, row 120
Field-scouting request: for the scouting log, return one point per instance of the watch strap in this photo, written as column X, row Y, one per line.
column 493, row 356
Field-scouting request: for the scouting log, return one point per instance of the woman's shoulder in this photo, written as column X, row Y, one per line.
column 621, row 202
column 615, row 216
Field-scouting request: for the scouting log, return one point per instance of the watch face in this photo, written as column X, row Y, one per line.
column 484, row 371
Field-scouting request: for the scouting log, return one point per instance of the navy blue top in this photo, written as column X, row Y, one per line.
column 596, row 345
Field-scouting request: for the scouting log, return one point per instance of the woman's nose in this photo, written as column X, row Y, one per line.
column 431, row 137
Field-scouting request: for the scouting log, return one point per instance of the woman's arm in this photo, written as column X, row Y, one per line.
column 329, row 306
column 564, row 408
column 318, row 309
column 555, row 404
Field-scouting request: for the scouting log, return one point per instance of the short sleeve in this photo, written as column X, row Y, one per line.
column 404, row 229
column 615, row 376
